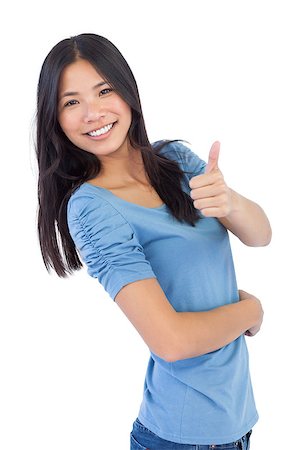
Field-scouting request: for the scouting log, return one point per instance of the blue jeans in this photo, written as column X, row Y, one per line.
column 143, row 439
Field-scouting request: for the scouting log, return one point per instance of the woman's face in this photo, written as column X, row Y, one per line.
column 91, row 114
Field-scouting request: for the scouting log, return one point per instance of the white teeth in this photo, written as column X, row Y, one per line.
column 100, row 131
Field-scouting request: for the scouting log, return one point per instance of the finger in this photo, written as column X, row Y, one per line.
column 205, row 192
column 213, row 157
column 212, row 212
column 205, row 179
column 217, row 203
column 205, row 203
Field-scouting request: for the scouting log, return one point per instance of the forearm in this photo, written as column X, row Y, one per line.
column 199, row 333
column 247, row 221
column 174, row 335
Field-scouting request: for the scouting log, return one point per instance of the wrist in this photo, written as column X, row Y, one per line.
column 252, row 311
column 235, row 203
column 256, row 311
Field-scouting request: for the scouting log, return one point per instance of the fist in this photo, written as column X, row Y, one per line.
column 209, row 191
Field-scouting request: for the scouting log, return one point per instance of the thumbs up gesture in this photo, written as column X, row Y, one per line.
column 209, row 191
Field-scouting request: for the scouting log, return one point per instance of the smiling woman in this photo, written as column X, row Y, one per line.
column 69, row 106
column 130, row 211
column 94, row 112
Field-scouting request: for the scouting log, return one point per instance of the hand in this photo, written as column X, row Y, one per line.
column 255, row 328
column 209, row 191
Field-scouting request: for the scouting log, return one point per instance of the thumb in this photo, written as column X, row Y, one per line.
column 213, row 157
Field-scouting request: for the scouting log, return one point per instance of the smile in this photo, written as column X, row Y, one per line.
column 101, row 131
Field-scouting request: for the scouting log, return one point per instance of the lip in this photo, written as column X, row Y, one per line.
column 98, row 128
column 102, row 136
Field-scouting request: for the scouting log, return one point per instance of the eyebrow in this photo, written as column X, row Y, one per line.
column 72, row 93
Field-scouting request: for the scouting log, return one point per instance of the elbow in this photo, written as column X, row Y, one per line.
column 180, row 344
column 267, row 241
column 266, row 236
column 169, row 353
column 177, row 351
column 260, row 241
column 170, row 357
column 170, row 343
column 179, row 355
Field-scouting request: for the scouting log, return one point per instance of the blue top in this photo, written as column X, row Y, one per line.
column 201, row 400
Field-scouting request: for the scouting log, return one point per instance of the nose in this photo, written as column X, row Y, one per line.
column 93, row 112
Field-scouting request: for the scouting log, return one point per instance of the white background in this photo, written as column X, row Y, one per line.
column 72, row 366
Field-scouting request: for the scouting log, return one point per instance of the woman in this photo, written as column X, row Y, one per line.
column 150, row 222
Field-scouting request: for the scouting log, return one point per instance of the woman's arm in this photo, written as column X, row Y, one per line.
column 214, row 198
column 175, row 335
column 247, row 221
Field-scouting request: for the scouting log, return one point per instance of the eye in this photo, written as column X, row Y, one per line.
column 71, row 103
column 105, row 91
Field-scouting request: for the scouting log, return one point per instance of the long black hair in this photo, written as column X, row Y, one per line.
column 63, row 167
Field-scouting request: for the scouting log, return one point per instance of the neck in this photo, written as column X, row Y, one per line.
column 122, row 168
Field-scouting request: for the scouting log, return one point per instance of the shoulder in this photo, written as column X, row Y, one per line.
column 182, row 153
column 89, row 206
column 176, row 149
column 82, row 198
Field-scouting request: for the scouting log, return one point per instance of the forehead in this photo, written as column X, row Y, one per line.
column 79, row 75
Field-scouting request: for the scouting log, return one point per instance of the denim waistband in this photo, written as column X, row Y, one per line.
column 144, row 439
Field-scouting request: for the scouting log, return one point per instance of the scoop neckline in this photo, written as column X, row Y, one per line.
column 162, row 206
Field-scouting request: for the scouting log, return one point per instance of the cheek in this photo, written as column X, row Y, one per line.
column 70, row 131
column 124, row 109
column 67, row 124
column 129, row 119
column 129, row 116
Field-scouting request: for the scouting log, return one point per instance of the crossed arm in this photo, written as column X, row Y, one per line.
column 173, row 335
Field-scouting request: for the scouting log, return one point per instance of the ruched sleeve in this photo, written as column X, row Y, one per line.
column 106, row 243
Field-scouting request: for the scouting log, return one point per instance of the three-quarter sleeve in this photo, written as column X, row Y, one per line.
column 106, row 243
